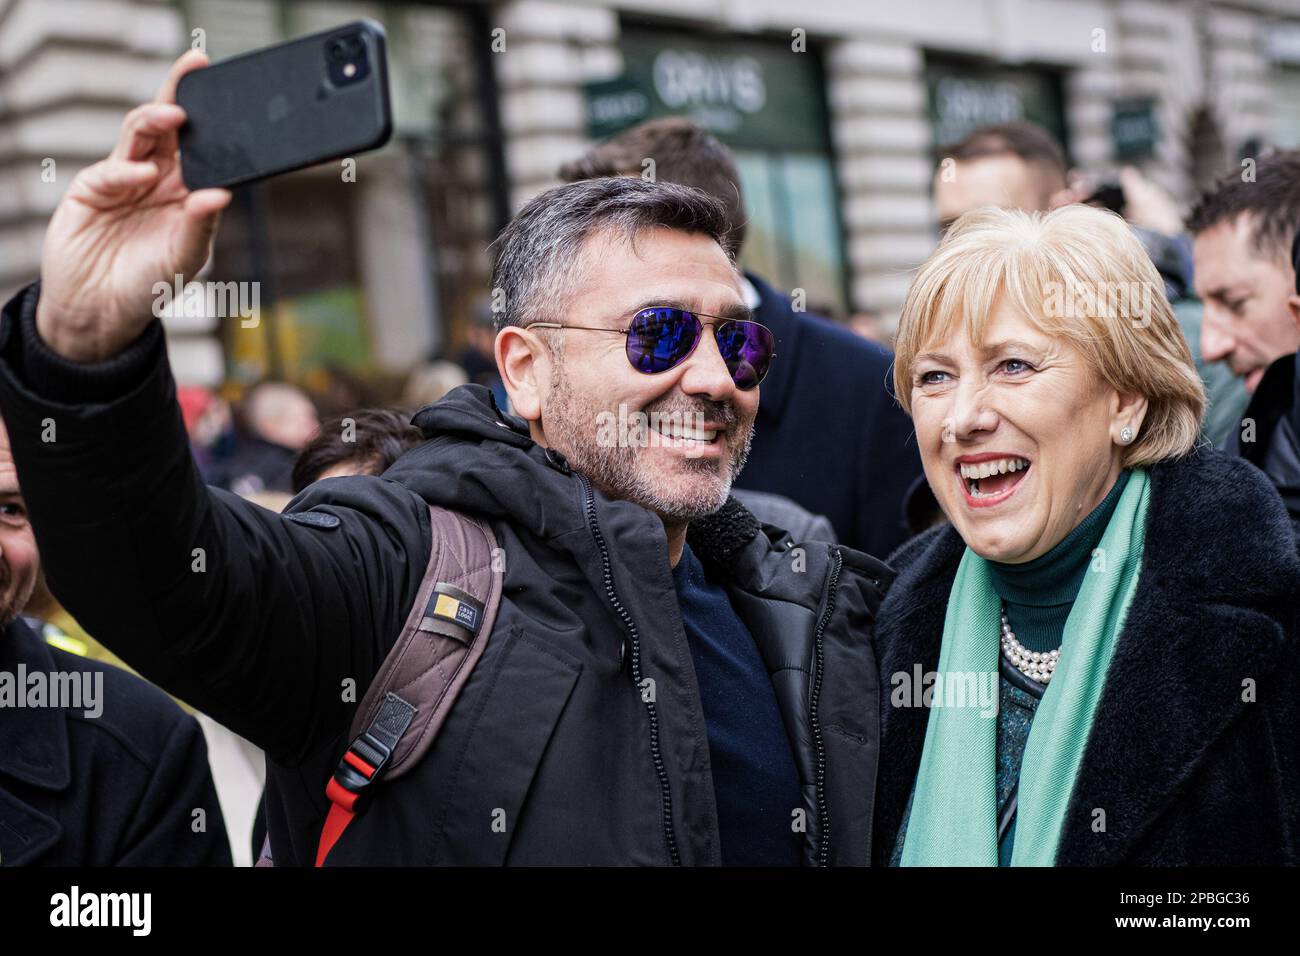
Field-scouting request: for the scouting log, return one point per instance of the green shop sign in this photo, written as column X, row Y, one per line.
column 965, row 96
column 751, row 94
column 1134, row 129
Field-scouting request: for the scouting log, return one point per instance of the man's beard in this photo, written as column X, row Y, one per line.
column 618, row 469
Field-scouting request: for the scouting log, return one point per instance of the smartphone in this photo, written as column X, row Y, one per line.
column 299, row 103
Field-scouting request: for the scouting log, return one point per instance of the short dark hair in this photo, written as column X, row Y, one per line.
column 683, row 153
column 539, row 261
column 381, row 436
column 1272, row 198
column 1034, row 146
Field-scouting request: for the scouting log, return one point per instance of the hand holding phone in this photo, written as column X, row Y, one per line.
column 123, row 224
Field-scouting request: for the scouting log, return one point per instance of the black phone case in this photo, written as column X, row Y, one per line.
column 274, row 110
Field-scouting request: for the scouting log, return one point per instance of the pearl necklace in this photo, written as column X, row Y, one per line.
column 1036, row 665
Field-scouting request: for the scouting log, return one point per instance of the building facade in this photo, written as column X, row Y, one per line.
column 837, row 110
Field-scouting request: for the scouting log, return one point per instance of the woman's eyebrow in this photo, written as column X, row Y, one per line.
column 1008, row 345
column 933, row 357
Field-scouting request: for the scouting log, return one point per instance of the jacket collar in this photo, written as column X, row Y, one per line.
column 1275, row 411
column 482, row 461
column 1276, row 398
column 1212, row 607
column 33, row 751
column 33, row 740
column 775, row 312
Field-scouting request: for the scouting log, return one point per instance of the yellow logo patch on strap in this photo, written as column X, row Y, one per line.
column 452, row 604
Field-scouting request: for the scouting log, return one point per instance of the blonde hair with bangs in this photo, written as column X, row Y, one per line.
column 1075, row 272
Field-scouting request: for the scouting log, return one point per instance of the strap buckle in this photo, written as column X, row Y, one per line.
column 364, row 761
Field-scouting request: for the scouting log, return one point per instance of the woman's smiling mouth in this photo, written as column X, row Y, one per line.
column 990, row 478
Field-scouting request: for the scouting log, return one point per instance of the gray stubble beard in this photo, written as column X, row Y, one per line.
column 614, row 470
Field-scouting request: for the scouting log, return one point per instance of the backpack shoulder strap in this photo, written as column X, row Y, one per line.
column 443, row 638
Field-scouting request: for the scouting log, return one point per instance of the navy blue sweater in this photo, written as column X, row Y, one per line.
column 755, row 782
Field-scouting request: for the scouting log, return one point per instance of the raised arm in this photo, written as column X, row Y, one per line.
column 261, row 620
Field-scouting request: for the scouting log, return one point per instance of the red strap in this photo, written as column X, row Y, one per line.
column 336, row 821
column 359, row 764
column 342, row 806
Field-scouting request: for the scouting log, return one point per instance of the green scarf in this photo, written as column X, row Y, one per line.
column 954, row 809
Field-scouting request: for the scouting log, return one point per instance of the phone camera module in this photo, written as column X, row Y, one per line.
column 346, row 59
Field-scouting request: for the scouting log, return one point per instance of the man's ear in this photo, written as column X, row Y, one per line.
column 1294, row 304
column 524, row 362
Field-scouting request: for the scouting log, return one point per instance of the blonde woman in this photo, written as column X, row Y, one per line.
column 1094, row 662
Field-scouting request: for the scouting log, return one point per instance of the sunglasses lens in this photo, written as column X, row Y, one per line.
column 747, row 348
column 658, row 339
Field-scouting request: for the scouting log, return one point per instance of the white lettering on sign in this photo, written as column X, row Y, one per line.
column 685, row 79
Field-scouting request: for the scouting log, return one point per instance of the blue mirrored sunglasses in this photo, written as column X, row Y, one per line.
column 661, row 338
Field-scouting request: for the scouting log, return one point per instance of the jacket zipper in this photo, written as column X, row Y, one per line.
column 819, row 745
column 611, row 595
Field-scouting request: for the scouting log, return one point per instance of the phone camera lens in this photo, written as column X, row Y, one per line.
column 346, row 59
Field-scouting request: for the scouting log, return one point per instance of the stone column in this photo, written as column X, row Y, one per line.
column 881, row 131
column 551, row 51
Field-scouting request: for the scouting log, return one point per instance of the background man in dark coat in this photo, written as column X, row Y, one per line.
column 829, row 434
column 105, row 772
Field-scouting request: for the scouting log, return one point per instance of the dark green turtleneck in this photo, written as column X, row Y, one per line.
column 1040, row 593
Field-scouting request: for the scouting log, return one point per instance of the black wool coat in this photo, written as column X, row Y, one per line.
column 1187, row 769
column 116, row 788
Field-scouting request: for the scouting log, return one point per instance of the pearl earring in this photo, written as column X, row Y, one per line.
column 1125, row 435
